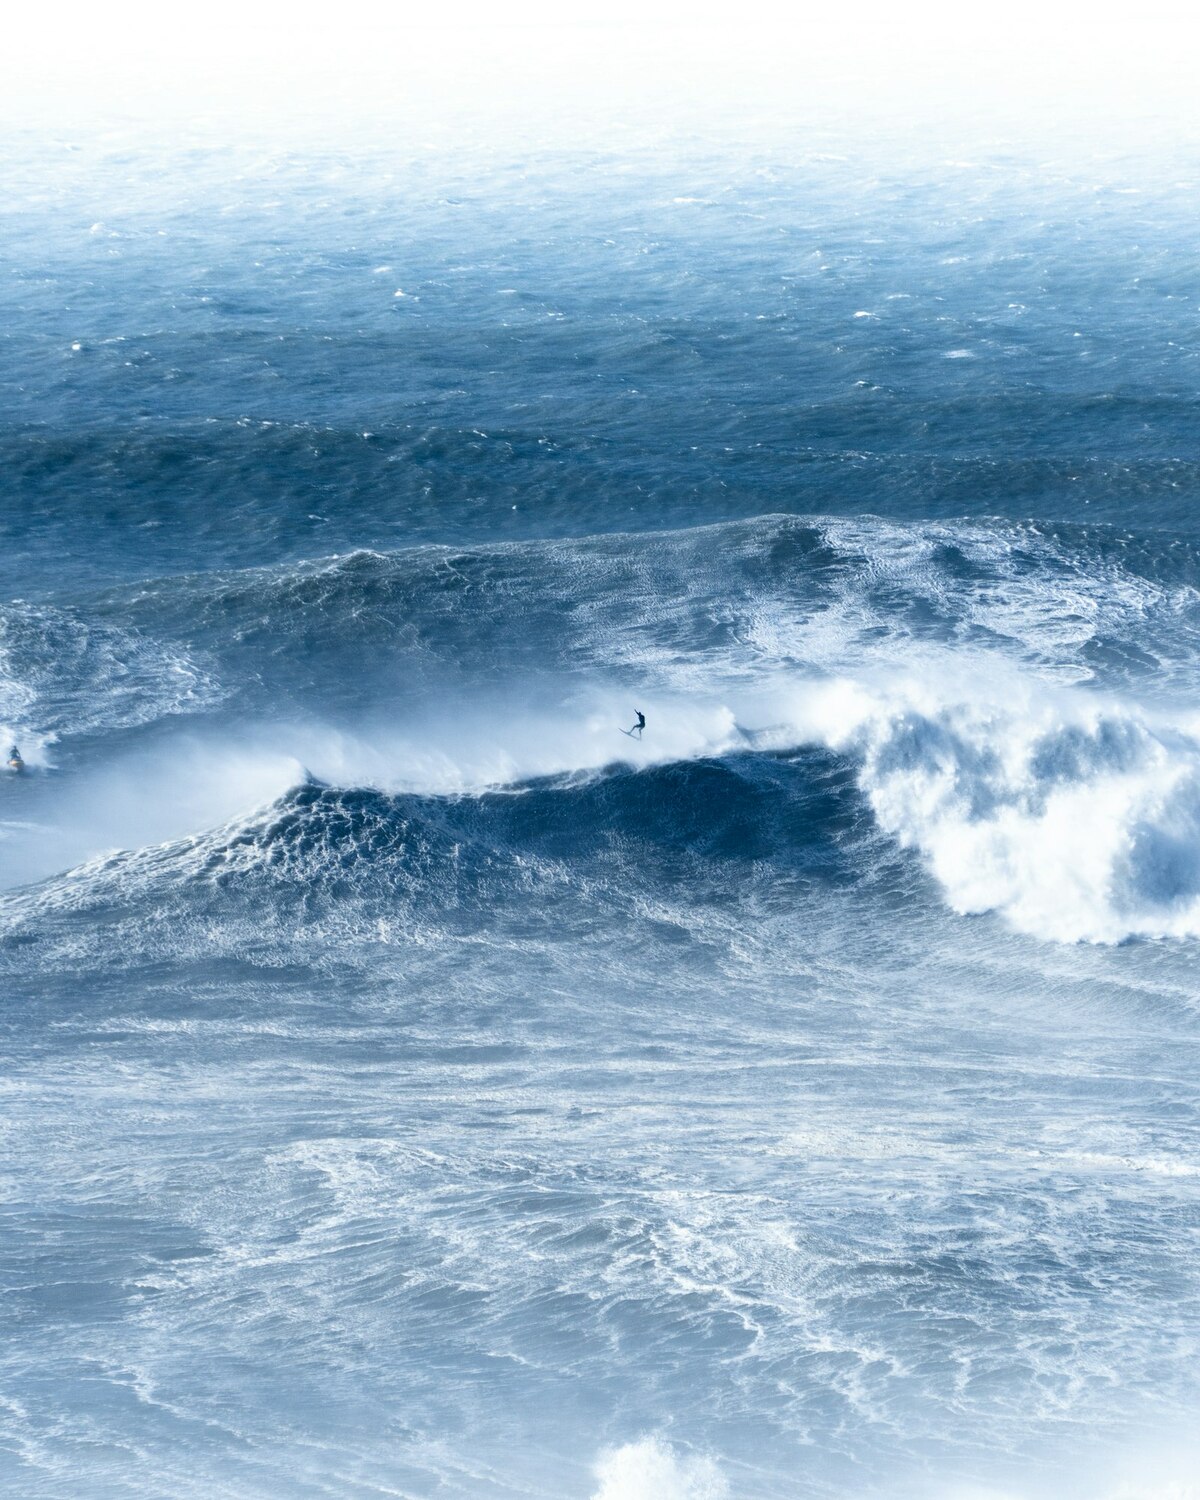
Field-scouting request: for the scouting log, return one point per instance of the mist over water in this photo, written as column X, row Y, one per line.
column 412, row 1085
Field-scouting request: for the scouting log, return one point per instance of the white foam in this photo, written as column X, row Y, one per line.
column 1076, row 816
column 652, row 1470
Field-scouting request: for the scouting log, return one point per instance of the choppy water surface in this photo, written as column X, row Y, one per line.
column 413, row 1087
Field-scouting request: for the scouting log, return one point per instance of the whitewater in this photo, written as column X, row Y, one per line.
column 413, row 1086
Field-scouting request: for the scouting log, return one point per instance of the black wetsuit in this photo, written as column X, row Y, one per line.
column 641, row 723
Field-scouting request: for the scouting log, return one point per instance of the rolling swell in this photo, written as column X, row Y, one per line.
column 554, row 859
column 997, row 688
column 669, row 611
column 232, row 492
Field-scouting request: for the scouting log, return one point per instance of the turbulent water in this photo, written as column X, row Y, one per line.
column 413, row 1087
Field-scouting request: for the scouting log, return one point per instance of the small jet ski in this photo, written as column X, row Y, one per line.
column 14, row 762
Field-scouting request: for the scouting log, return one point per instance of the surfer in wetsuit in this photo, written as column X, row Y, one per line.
column 15, row 763
column 640, row 725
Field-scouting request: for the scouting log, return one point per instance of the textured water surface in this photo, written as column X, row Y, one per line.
column 413, row 1087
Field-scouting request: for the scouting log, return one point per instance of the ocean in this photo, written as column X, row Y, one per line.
column 412, row 1086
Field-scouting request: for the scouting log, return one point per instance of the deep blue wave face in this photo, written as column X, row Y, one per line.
column 418, row 1081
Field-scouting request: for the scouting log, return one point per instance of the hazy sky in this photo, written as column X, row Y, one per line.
column 658, row 61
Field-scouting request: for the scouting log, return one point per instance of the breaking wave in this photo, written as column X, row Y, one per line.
column 1073, row 814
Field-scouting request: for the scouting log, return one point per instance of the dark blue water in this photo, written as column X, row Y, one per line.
column 414, row 1087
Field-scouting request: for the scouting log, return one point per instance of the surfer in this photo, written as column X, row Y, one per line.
column 639, row 726
column 15, row 763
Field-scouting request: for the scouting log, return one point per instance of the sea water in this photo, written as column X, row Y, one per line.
column 413, row 1087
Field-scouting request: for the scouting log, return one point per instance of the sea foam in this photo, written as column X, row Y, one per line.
column 1074, row 815
column 651, row 1470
